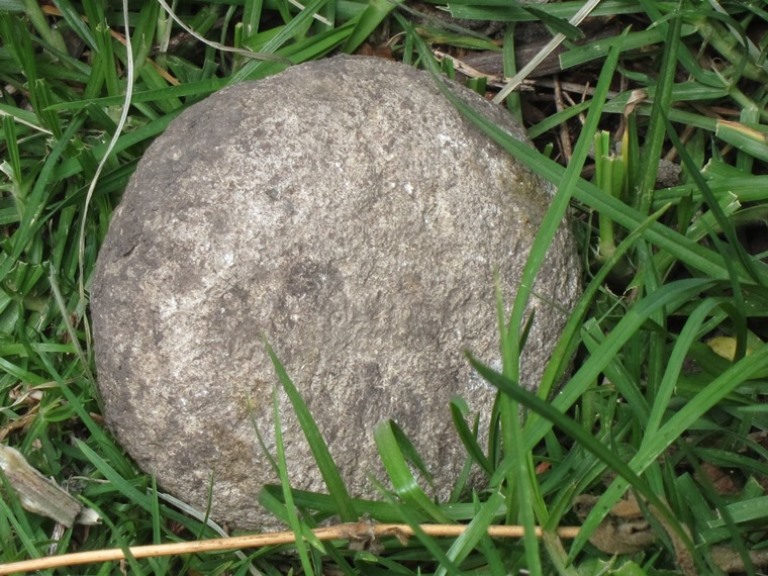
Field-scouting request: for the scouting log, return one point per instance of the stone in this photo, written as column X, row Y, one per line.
column 346, row 212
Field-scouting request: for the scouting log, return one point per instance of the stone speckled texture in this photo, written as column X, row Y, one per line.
column 346, row 211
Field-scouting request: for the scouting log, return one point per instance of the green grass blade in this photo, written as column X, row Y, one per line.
column 198, row 88
column 656, row 130
column 116, row 479
column 754, row 509
column 293, row 519
column 474, row 533
column 559, row 205
column 32, row 217
column 672, row 296
column 750, row 140
column 400, row 475
column 381, row 511
column 435, row 549
column 369, row 20
column 583, row 437
column 569, row 338
column 459, row 410
column 688, row 335
column 653, row 446
column 297, row 26
column 325, row 464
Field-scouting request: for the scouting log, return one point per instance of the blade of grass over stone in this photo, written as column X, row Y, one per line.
column 590, row 195
column 325, row 463
column 274, row 502
column 519, row 476
column 400, row 475
column 282, row 467
column 323, row 503
column 521, row 495
column 559, row 205
column 519, row 485
column 409, row 452
column 543, row 239
column 459, row 410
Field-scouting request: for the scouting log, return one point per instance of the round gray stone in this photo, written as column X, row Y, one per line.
column 344, row 210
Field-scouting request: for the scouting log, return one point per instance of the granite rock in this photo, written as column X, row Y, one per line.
column 345, row 211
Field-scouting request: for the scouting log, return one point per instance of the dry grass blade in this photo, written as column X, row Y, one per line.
column 356, row 532
column 557, row 39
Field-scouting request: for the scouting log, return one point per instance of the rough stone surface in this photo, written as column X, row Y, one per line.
column 346, row 211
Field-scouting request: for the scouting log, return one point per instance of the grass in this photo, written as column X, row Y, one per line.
column 667, row 392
